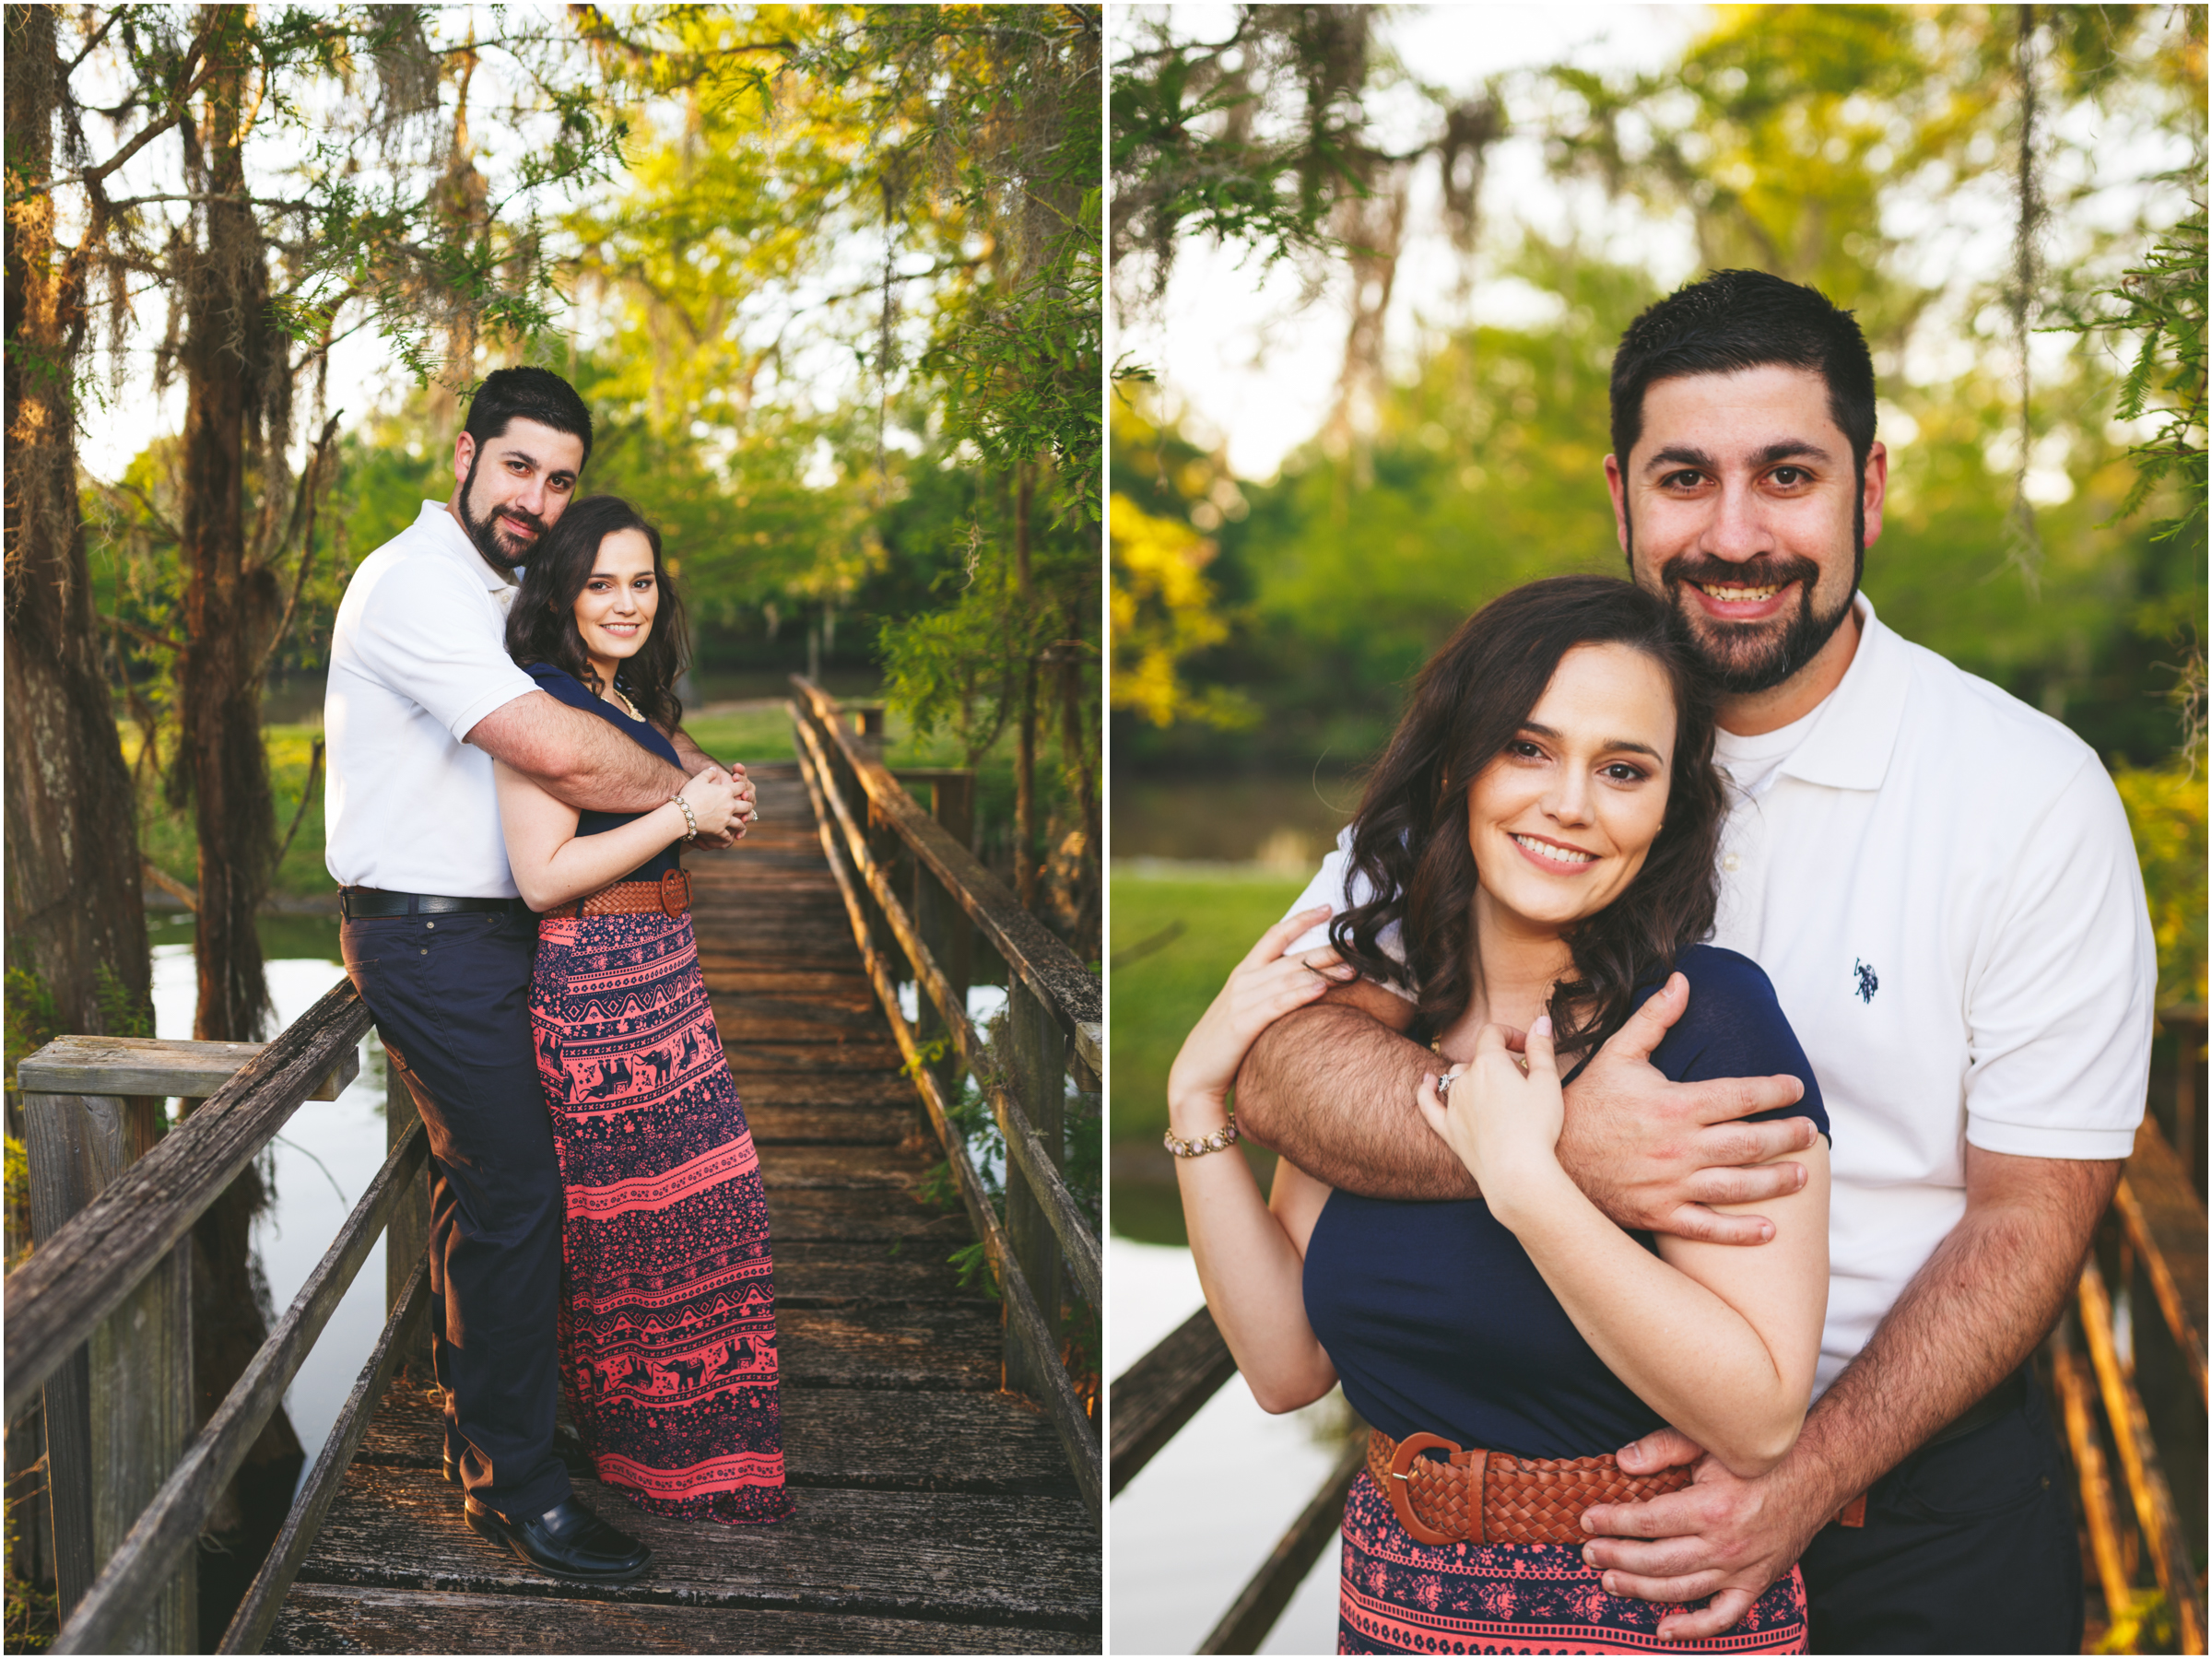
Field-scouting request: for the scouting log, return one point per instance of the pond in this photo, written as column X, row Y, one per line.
column 1199, row 1520
column 317, row 1168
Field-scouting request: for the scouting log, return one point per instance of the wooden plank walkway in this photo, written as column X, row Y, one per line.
column 935, row 1514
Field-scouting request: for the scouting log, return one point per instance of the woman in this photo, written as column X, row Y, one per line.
column 667, row 1326
column 1538, row 841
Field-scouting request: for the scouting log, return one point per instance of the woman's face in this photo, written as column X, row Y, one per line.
column 614, row 613
column 1561, row 823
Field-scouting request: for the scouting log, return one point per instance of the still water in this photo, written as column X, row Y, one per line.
column 317, row 1168
column 1200, row 1517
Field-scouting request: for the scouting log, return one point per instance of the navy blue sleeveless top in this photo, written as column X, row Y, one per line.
column 577, row 695
column 1435, row 1317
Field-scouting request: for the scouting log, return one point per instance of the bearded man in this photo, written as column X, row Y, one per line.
column 1941, row 884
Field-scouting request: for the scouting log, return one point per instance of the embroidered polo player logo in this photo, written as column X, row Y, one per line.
column 1868, row 984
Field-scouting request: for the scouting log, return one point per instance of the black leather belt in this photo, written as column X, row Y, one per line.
column 359, row 903
column 2006, row 1396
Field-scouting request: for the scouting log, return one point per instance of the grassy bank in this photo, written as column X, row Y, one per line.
column 1175, row 938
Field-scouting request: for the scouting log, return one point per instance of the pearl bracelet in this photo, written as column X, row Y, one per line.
column 1224, row 1136
column 684, row 806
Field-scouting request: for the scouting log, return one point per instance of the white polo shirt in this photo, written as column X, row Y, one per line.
column 1941, row 884
column 416, row 658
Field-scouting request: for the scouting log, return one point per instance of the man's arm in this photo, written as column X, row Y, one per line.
column 1332, row 1090
column 1973, row 1314
column 575, row 757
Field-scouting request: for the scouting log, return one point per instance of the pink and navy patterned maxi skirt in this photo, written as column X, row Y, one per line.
column 1403, row 1597
column 667, row 1315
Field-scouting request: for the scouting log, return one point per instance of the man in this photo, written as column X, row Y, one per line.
column 422, row 697
column 1941, row 884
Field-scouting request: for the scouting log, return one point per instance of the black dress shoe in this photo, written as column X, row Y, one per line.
column 568, row 1541
column 568, row 1445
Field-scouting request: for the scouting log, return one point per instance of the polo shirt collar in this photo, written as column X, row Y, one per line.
column 453, row 540
column 1850, row 744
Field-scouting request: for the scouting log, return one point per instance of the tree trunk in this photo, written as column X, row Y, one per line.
column 74, row 912
column 1025, row 743
column 229, row 608
column 74, row 901
column 225, row 603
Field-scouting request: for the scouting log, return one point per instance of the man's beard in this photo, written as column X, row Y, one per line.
column 1741, row 657
column 485, row 532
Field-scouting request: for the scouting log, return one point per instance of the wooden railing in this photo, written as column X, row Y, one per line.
column 99, row 1315
column 918, row 901
column 2152, row 1239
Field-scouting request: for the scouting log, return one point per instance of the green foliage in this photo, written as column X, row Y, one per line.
column 1252, row 139
column 165, row 831
column 2166, row 810
column 2161, row 304
column 1793, row 141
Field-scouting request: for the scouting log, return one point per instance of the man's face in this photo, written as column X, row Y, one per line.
column 1740, row 508
column 515, row 488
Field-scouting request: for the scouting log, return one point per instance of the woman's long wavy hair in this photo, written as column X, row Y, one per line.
column 541, row 626
column 1410, row 838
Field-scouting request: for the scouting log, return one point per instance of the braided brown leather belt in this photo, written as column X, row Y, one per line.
column 670, row 896
column 1495, row 1498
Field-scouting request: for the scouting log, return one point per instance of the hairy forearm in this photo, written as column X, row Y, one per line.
column 575, row 757
column 692, row 757
column 1974, row 1313
column 1332, row 1090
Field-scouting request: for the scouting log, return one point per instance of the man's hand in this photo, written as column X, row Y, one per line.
column 1720, row 1536
column 1654, row 1155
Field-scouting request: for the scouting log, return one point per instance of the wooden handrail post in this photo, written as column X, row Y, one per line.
column 1036, row 1068
column 119, row 1413
column 409, row 1234
column 944, row 927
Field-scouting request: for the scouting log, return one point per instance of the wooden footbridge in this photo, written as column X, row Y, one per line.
column 938, row 1510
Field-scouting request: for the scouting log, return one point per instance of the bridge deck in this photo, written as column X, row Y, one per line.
column 934, row 1514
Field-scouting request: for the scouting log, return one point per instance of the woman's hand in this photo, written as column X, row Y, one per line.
column 1502, row 1115
column 712, row 798
column 1262, row 988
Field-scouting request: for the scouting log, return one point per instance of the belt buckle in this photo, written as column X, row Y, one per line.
column 1401, row 1490
column 675, row 892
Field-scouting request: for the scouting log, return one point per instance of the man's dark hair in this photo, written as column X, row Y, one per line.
column 1736, row 320
column 539, row 395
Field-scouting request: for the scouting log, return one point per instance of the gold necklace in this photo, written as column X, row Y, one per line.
column 616, row 692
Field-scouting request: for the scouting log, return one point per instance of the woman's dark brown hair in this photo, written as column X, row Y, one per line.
column 541, row 626
column 1409, row 841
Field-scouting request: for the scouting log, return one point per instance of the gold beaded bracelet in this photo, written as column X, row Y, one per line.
column 1224, row 1136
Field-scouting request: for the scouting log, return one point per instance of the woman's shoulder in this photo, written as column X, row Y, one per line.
column 1726, row 975
column 1733, row 1027
column 562, row 685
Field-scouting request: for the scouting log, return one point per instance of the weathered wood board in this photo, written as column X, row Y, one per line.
column 331, row 1619
column 935, row 1513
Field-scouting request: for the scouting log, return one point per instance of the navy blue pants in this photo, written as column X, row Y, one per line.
column 1969, row 1547
column 451, row 999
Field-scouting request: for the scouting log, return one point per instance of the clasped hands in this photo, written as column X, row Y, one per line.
column 726, row 803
